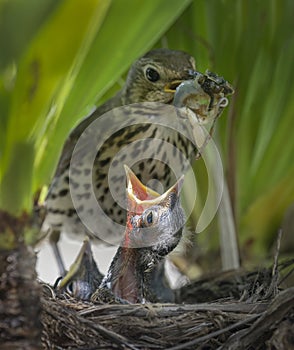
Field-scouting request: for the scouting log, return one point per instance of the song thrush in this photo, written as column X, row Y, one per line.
column 161, row 140
column 152, row 78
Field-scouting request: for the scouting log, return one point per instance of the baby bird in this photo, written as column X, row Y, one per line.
column 154, row 228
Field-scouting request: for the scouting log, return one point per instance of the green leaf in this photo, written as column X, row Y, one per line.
column 16, row 184
column 40, row 72
column 19, row 21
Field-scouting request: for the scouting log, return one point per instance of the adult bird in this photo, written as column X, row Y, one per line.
column 152, row 78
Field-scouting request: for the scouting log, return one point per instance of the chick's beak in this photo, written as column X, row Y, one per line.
column 140, row 197
column 77, row 267
column 83, row 277
column 176, row 189
column 136, row 190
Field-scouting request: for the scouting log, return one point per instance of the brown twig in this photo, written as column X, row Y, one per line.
column 214, row 334
column 275, row 313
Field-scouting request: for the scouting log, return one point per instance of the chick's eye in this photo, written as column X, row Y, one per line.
column 152, row 75
column 149, row 218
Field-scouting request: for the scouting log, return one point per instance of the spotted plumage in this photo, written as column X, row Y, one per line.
column 152, row 78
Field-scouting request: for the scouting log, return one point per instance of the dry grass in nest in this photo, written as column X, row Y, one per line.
column 261, row 317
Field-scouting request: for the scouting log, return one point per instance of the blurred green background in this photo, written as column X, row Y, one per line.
column 58, row 58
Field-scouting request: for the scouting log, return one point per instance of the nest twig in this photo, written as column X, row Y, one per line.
column 252, row 314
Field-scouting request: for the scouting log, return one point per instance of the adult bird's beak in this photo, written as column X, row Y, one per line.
column 83, row 277
column 171, row 86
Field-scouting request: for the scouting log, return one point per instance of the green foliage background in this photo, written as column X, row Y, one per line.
column 60, row 58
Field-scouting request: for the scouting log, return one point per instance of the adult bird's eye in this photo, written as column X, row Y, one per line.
column 152, row 74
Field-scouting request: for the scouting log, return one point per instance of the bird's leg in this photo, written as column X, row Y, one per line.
column 53, row 239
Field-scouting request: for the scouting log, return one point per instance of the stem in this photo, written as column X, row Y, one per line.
column 20, row 326
column 16, row 182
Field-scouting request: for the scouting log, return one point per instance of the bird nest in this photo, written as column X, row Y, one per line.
column 248, row 310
